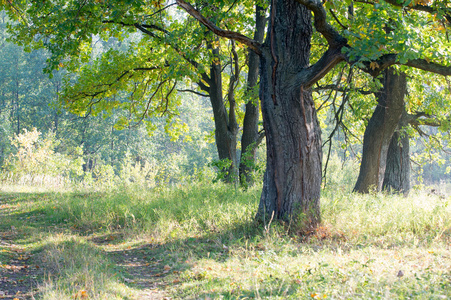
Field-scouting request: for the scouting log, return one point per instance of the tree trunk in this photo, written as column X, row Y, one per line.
column 397, row 171
column 379, row 131
column 55, row 116
column 292, row 182
column 225, row 130
column 17, row 108
column 250, row 137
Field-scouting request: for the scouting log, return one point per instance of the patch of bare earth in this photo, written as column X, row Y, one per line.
column 18, row 275
column 139, row 267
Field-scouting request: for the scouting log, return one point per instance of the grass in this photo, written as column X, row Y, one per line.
column 200, row 242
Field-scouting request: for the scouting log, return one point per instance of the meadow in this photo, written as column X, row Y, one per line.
column 200, row 241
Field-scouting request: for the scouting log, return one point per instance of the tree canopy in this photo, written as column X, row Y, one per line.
column 165, row 47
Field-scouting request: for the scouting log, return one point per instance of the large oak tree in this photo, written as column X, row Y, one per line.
column 293, row 176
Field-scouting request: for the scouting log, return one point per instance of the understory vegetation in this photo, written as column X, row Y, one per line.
column 200, row 241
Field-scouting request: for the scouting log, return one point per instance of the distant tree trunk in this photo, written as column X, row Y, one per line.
column 397, row 171
column 379, row 131
column 292, row 181
column 55, row 117
column 17, row 109
column 250, row 138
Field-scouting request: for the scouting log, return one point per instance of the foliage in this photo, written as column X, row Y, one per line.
column 103, row 145
column 340, row 175
column 141, row 61
column 35, row 161
column 27, row 97
column 257, row 166
column 128, row 60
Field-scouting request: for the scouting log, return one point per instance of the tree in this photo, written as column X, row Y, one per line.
column 293, row 177
column 379, row 131
column 385, row 29
column 292, row 180
column 373, row 61
column 251, row 137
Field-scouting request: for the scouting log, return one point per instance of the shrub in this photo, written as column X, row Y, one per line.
column 35, row 161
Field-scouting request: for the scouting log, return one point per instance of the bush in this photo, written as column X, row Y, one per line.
column 35, row 162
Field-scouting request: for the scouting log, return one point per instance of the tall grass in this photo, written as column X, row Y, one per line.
column 200, row 241
column 378, row 217
column 167, row 213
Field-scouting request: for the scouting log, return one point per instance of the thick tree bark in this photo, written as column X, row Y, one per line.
column 292, row 182
column 379, row 131
column 250, row 137
column 397, row 171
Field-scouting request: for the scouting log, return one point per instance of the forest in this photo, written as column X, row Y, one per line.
column 224, row 149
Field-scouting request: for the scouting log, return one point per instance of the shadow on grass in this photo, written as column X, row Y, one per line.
column 156, row 266
column 143, row 266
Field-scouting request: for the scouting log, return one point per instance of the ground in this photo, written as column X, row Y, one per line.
column 202, row 243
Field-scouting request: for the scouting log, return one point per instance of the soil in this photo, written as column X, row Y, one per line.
column 18, row 278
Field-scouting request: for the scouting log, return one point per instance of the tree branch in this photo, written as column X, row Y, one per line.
column 388, row 60
column 419, row 7
column 144, row 28
column 307, row 77
column 334, row 39
column 252, row 44
column 422, row 118
column 337, row 88
column 336, row 19
column 314, row 73
column 160, row 10
column 194, row 92
column 194, row 63
column 260, row 137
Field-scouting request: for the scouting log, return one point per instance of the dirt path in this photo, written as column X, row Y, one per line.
column 21, row 273
column 140, row 273
column 18, row 278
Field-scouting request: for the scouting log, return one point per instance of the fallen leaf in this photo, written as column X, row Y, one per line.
column 167, row 268
column 81, row 295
